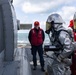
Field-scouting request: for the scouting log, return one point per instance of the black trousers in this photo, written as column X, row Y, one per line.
column 38, row 49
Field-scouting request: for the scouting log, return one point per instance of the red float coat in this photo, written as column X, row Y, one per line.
column 73, row 66
column 36, row 37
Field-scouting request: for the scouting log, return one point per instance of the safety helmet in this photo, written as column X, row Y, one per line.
column 36, row 23
column 56, row 18
column 71, row 24
column 53, row 19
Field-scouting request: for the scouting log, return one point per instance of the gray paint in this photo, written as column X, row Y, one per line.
column 2, row 45
column 1, row 58
column 10, row 29
column 20, row 65
column 21, row 55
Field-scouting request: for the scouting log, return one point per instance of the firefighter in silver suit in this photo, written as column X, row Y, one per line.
column 54, row 24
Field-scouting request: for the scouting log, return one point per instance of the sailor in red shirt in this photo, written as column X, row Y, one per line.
column 36, row 38
column 73, row 26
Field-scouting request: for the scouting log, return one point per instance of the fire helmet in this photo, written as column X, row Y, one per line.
column 52, row 20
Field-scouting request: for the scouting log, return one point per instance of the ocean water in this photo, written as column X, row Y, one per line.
column 23, row 38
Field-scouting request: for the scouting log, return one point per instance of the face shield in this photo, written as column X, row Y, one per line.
column 74, row 21
column 48, row 27
column 75, row 24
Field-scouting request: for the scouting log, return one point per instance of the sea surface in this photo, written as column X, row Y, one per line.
column 23, row 38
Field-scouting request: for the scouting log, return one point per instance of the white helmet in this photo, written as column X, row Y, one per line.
column 56, row 18
column 53, row 21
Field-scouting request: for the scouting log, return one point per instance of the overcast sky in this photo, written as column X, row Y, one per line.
column 28, row 11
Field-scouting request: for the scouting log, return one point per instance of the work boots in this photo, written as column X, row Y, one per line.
column 34, row 68
column 42, row 69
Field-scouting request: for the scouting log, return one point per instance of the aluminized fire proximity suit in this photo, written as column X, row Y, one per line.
column 61, row 61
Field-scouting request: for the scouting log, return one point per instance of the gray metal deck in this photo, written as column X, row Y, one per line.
column 38, row 70
column 20, row 65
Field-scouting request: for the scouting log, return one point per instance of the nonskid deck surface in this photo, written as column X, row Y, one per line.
column 38, row 70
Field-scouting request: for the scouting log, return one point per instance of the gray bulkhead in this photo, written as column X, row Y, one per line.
column 8, row 29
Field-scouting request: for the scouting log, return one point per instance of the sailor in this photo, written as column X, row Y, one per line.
column 36, row 38
column 73, row 26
